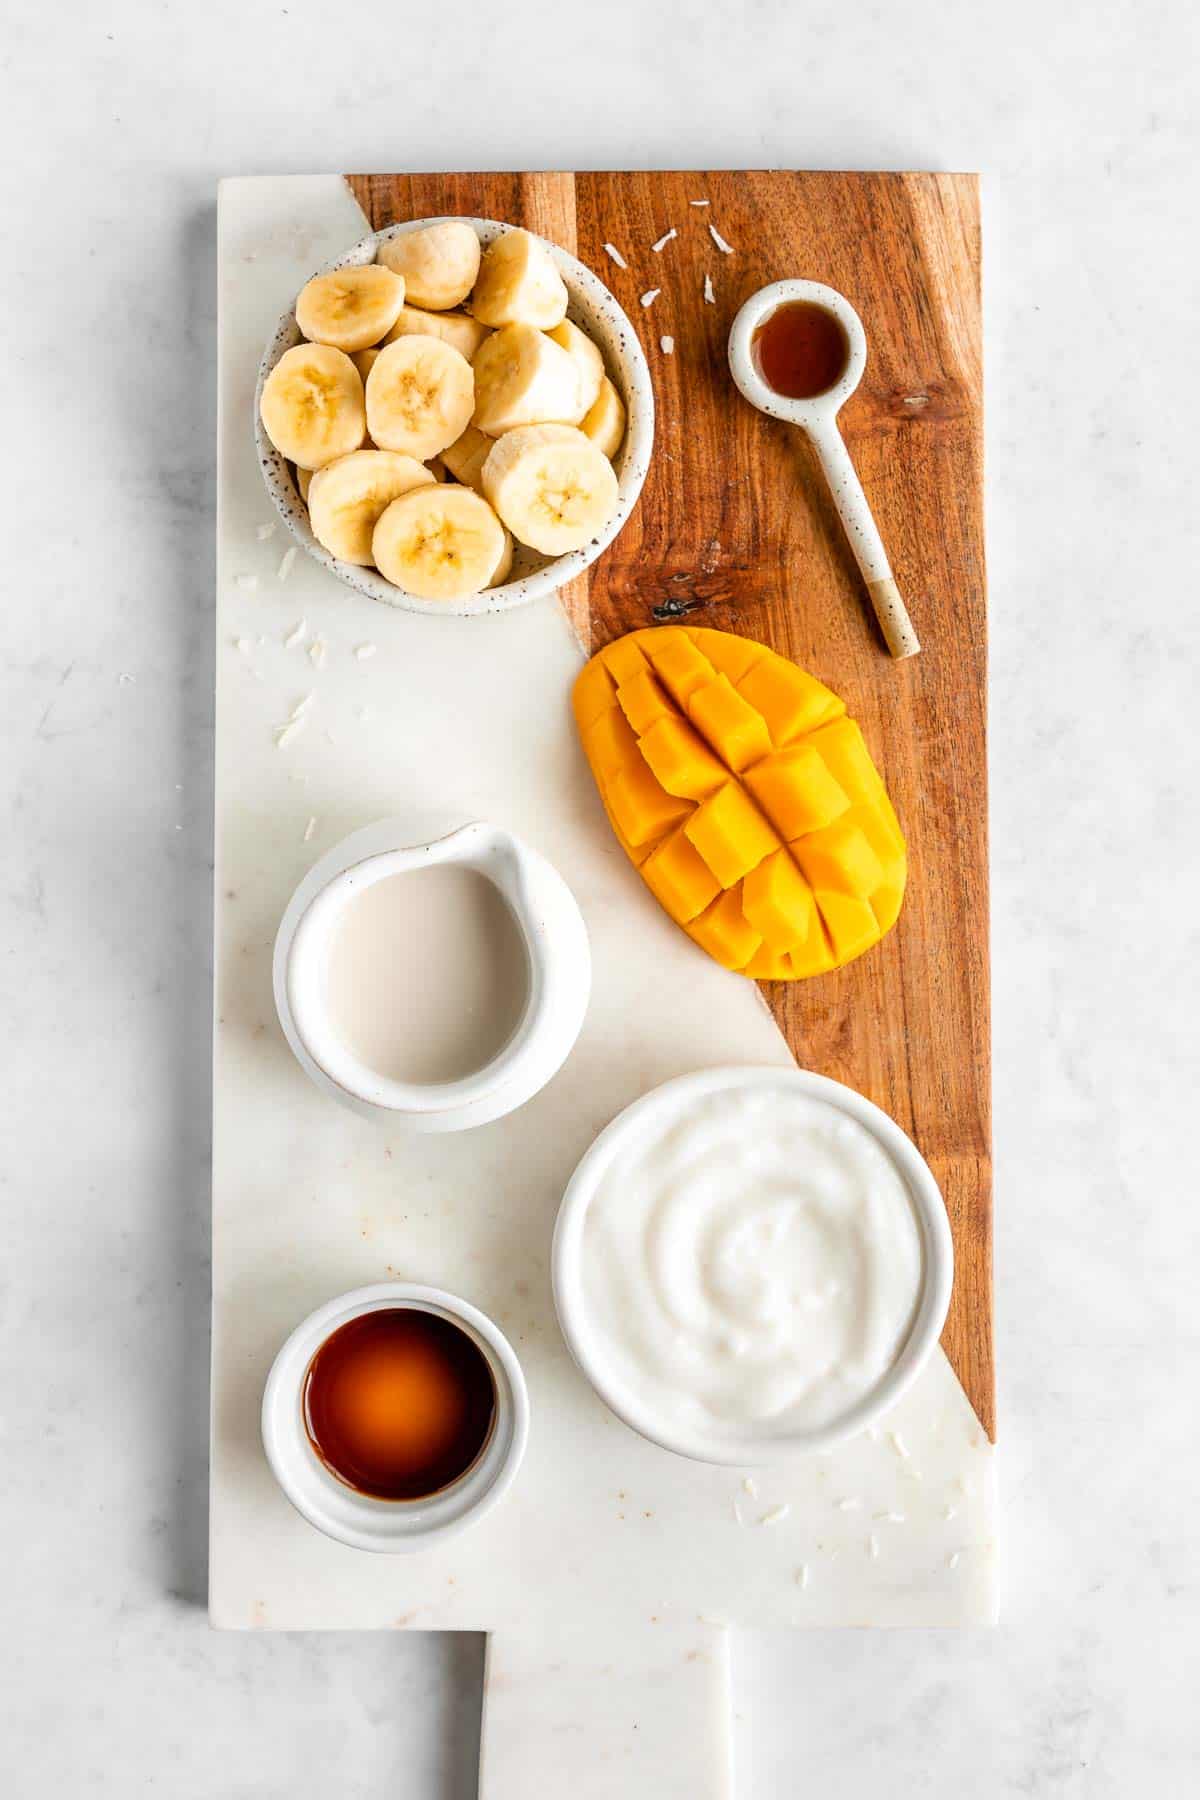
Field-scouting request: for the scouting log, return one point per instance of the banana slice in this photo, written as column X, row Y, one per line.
column 439, row 263
column 364, row 362
column 346, row 498
column 522, row 377
column 420, row 396
column 553, row 487
column 519, row 284
column 589, row 364
column 312, row 405
column 440, row 542
column 458, row 329
column 350, row 308
column 503, row 569
column 466, row 456
column 605, row 423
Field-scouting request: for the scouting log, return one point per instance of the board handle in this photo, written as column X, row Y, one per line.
column 600, row 1711
column 859, row 522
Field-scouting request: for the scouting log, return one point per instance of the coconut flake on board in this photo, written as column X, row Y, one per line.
column 664, row 241
column 667, row 345
column 719, row 241
column 611, row 250
column 650, row 296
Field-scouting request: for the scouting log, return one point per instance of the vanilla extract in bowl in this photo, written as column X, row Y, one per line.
column 399, row 1403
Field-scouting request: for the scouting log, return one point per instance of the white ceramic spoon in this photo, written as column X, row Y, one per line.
column 818, row 419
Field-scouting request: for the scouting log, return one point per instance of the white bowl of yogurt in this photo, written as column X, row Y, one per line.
column 750, row 1263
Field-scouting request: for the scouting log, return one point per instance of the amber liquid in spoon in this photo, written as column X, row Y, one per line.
column 801, row 350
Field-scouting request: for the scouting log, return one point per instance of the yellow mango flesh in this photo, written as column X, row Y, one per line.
column 745, row 797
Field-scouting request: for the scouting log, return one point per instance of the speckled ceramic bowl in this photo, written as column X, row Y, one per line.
column 595, row 311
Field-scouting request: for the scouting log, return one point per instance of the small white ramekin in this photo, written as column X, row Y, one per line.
column 558, row 972
column 360, row 1520
column 595, row 310
column 752, row 1448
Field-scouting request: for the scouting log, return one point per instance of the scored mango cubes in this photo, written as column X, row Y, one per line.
column 745, row 797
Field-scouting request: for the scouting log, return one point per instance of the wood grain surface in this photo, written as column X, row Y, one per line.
column 735, row 530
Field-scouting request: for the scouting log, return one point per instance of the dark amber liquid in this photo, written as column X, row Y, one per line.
column 399, row 1403
column 801, row 350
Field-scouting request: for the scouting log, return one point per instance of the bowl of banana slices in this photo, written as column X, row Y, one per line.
column 455, row 417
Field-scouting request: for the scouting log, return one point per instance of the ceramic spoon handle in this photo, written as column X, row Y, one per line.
column 865, row 540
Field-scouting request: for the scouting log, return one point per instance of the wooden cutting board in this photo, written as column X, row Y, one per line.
column 735, row 530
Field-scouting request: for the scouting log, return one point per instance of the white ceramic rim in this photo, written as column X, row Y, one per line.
column 361, row 1520
column 937, row 1274
column 744, row 369
column 595, row 309
column 552, row 931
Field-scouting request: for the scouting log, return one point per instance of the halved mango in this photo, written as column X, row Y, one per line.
column 746, row 798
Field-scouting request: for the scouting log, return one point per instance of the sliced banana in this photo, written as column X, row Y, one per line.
column 364, row 361
column 439, row 542
column 420, row 396
column 519, row 284
column 346, row 498
column 439, row 263
column 552, row 486
column 522, row 377
column 466, row 456
column 457, row 328
column 605, row 423
column 350, row 308
column 312, row 405
column 589, row 364
column 503, row 569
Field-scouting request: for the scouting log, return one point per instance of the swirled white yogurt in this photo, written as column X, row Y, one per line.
column 751, row 1261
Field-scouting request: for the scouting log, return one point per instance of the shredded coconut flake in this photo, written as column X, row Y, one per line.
column 668, row 345
column 898, row 1445
column 298, row 711
column 699, row 202
column 750, row 1486
column 949, row 1512
column 873, row 1545
column 363, row 651
column 663, row 241
column 247, row 583
column 776, row 1516
column 650, row 296
column 850, row 1504
column 263, row 532
column 285, row 563
column 719, row 241
column 310, row 827
column 295, row 635
column 802, row 1571
column 316, row 652
column 953, row 1558
column 616, row 256
column 709, row 295
column 285, row 733
column 890, row 1518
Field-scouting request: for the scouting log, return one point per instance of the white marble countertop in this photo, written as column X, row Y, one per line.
column 115, row 126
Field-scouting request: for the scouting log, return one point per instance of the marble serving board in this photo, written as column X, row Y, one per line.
column 612, row 1563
